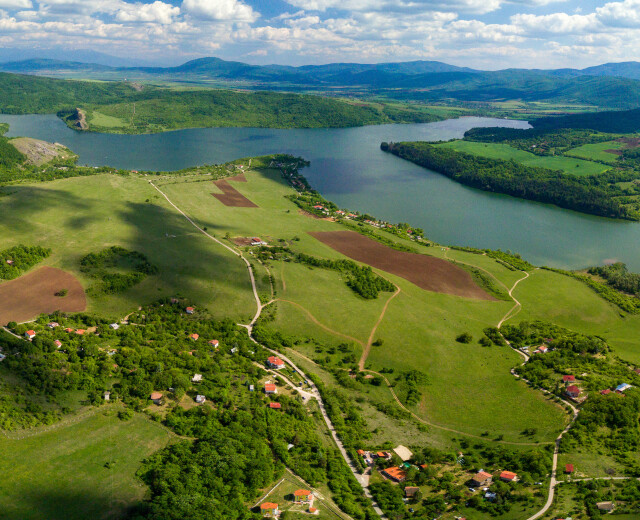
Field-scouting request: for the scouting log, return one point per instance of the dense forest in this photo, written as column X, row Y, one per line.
column 618, row 276
column 618, row 122
column 16, row 260
column 591, row 194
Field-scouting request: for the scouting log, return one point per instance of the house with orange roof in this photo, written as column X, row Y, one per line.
column 275, row 406
column 275, row 362
column 269, row 509
column 69, row 330
column 30, row 334
column 482, row 478
column 302, row 496
column 508, row 476
column 80, row 332
column 194, row 336
column 270, row 388
column 57, row 343
column 568, row 379
column 396, row 474
column 214, row 343
column 156, row 397
column 189, row 310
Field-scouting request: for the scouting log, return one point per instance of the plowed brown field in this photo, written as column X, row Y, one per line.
column 427, row 272
column 26, row 297
column 231, row 197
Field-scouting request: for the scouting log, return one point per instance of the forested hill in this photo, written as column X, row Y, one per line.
column 158, row 109
column 621, row 122
column 596, row 195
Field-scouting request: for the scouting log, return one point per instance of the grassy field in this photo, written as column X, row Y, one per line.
column 596, row 151
column 35, row 478
column 506, row 152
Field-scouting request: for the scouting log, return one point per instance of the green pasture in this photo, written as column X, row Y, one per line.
column 506, row 153
column 596, row 151
column 60, row 474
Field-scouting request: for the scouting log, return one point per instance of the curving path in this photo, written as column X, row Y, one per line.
column 314, row 390
column 367, row 348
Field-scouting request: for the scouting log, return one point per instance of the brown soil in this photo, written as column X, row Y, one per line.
column 242, row 241
column 26, row 297
column 631, row 142
column 311, row 215
column 238, row 178
column 427, row 272
column 231, row 197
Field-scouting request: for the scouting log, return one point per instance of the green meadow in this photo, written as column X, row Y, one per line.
column 61, row 473
column 506, row 153
column 596, row 151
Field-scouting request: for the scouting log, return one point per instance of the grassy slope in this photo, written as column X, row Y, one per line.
column 596, row 151
column 79, row 215
column 37, row 483
column 506, row 152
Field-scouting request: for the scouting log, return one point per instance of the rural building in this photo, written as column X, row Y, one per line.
column 490, row 496
column 606, row 391
column 302, row 496
column 80, row 332
column 255, row 241
column 156, row 397
column 403, row 452
column 572, row 391
column 568, row 379
column 57, row 343
column 194, row 337
column 189, row 310
column 252, row 388
column 269, row 509
column 270, row 388
column 396, row 474
column 107, row 396
column 30, row 334
column 69, row 330
column 10, row 262
column 508, row 476
column 114, row 326
column 275, row 406
column 313, row 511
column 606, row 506
column 200, row 399
column 196, row 378
column 621, row 388
column 53, row 324
column 214, row 343
column 543, row 349
column 568, row 469
column 412, row 492
column 275, row 362
column 482, row 478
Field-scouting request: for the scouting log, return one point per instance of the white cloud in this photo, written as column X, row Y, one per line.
column 157, row 12
column 416, row 6
column 220, row 10
column 15, row 4
column 620, row 14
column 558, row 23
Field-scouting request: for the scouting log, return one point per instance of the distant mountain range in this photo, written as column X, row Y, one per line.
column 612, row 85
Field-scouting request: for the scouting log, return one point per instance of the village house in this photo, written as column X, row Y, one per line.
column 200, row 399
column 412, row 492
column 80, row 332
column 606, row 506
column 482, row 478
column 194, row 337
column 275, row 362
column 189, row 310
column 107, row 396
column 396, row 474
column 10, row 262
column 214, row 343
column 269, row 509
column 270, row 388
column 275, row 406
column 573, row 391
column 69, row 330
column 568, row 469
column 302, row 496
column 606, row 391
column 53, row 324
column 508, row 476
column 196, row 378
column 57, row 343
column 568, row 379
column 30, row 334
column 622, row 388
column 543, row 349
column 156, row 397
column 114, row 326
column 255, row 241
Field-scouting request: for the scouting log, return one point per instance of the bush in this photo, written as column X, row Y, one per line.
column 465, row 337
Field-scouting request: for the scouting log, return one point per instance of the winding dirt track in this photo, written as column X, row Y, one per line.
column 427, row 272
column 26, row 297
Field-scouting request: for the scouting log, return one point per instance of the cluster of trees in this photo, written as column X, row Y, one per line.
column 625, row 494
column 103, row 266
column 538, row 141
column 18, row 259
column 616, row 122
column 361, row 279
column 512, row 261
column 591, row 194
column 618, row 276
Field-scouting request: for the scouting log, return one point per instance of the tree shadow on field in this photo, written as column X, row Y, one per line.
column 72, row 504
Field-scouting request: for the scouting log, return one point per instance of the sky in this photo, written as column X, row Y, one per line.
column 484, row 34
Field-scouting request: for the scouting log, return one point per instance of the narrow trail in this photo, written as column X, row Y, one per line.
column 367, row 347
column 517, row 305
column 314, row 390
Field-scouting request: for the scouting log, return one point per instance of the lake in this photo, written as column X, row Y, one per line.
column 348, row 167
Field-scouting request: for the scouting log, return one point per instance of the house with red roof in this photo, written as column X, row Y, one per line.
column 69, row 330
column 568, row 469
column 606, row 391
column 396, row 474
column 80, row 332
column 270, row 388
column 30, row 334
column 269, row 509
column 275, row 362
column 156, row 397
column 508, row 476
column 57, row 343
column 568, row 379
column 214, row 343
column 275, row 406
column 194, row 336
column 189, row 310
column 482, row 478
column 573, row 391
column 302, row 496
